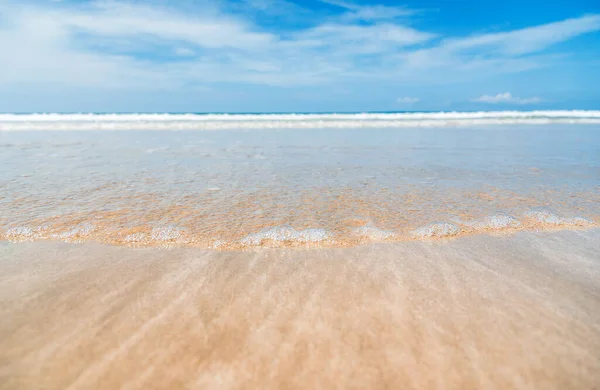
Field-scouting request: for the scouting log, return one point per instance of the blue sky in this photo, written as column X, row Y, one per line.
column 281, row 55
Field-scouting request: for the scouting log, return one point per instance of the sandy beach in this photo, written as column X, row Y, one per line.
column 282, row 194
column 520, row 311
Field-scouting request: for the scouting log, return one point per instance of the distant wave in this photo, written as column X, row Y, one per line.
column 24, row 122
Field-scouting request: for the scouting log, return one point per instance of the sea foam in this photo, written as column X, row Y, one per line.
column 495, row 222
column 373, row 233
column 80, row 230
column 24, row 122
column 436, row 230
column 166, row 234
column 548, row 218
column 24, row 233
column 286, row 233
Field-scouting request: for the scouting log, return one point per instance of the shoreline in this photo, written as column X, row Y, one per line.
column 287, row 237
column 518, row 311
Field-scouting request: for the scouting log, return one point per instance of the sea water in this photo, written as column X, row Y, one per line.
column 238, row 181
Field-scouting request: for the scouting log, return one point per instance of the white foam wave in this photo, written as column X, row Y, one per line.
column 24, row 233
column 374, row 233
column 135, row 238
column 166, row 234
column 81, row 230
column 437, row 230
column 17, row 122
column 286, row 234
column 19, row 231
column 547, row 218
column 495, row 222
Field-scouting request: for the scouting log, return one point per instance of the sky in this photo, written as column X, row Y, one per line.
column 298, row 56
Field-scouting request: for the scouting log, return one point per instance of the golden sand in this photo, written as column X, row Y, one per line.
column 477, row 312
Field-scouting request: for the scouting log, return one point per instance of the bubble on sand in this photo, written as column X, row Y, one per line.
column 81, row 230
column 24, row 233
column 437, row 230
column 286, row 234
column 19, row 231
column 374, row 233
column 495, row 222
column 219, row 243
column 547, row 218
column 136, row 237
column 166, row 233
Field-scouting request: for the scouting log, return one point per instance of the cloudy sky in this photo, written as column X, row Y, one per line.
column 313, row 55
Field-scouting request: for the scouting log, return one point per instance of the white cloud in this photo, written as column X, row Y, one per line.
column 355, row 40
column 123, row 20
column 512, row 51
column 527, row 40
column 98, row 44
column 184, row 52
column 370, row 12
column 50, row 44
column 506, row 98
column 407, row 100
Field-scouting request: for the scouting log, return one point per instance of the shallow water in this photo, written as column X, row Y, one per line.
column 325, row 187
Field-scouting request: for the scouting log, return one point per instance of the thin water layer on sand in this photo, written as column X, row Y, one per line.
column 243, row 189
column 517, row 312
column 312, row 217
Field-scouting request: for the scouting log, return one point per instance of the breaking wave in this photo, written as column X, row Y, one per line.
column 25, row 122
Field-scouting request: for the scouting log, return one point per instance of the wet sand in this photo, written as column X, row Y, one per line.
column 520, row 311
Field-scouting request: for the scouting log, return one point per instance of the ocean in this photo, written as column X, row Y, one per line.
column 238, row 181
